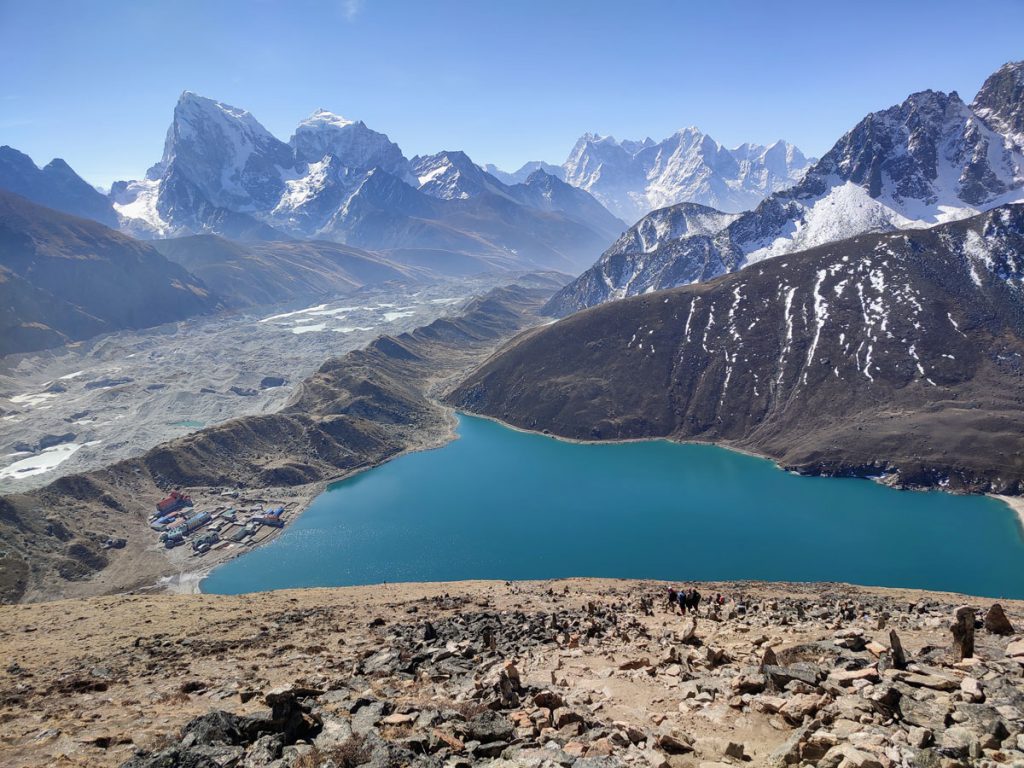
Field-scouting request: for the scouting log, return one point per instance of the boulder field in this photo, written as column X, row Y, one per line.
column 581, row 673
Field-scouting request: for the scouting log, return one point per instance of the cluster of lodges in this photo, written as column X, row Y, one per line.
column 220, row 527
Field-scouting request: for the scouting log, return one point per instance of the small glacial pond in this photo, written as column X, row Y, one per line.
column 503, row 504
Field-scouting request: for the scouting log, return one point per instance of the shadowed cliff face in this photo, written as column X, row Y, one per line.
column 900, row 352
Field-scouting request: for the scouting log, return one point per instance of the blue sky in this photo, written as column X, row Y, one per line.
column 95, row 82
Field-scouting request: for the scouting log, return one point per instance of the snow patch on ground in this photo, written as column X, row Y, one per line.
column 33, row 400
column 43, row 461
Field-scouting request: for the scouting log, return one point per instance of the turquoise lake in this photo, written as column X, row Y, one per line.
column 503, row 504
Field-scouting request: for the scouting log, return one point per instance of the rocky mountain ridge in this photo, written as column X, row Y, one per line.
column 894, row 354
column 55, row 186
column 64, row 278
column 928, row 160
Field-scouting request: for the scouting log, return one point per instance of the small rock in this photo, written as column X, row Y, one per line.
column 997, row 622
column 919, row 737
column 963, row 633
column 972, row 689
column 674, row 744
column 899, row 656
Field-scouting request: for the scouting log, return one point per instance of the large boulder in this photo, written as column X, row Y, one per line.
column 997, row 622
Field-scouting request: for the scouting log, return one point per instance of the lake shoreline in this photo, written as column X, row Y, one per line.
column 1016, row 503
column 189, row 582
column 364, row 566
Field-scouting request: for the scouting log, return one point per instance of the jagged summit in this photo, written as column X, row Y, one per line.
column 632, row 178
column 225, row 154
column 351, row 141
column 451, row 175
column 1000, row 102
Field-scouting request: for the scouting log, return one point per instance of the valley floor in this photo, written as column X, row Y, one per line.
column 356, row 411
column 552, row 673
column 115, row 397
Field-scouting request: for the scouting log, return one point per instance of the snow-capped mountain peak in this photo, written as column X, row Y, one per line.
column 350, row 141
column 634, row 177
column 1000, row 103
column 325, row 116
column 451, row 175
column 928, row 160
column 225, row 153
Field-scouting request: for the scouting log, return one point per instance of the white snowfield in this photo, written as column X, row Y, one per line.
column 136, row 208
column 44, row 461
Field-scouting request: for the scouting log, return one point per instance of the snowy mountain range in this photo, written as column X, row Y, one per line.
column 632, row 178
column 336, row 179
column 929, row 160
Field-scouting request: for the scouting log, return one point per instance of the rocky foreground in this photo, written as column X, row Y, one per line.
column 582, row 673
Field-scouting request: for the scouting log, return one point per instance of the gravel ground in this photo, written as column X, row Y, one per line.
column 579, row 673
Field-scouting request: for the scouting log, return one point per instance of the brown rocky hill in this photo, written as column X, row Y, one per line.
column 900, row 353
column 356, row 411
column 63, row 278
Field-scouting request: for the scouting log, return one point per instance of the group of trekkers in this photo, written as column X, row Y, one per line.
column 688, row 600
